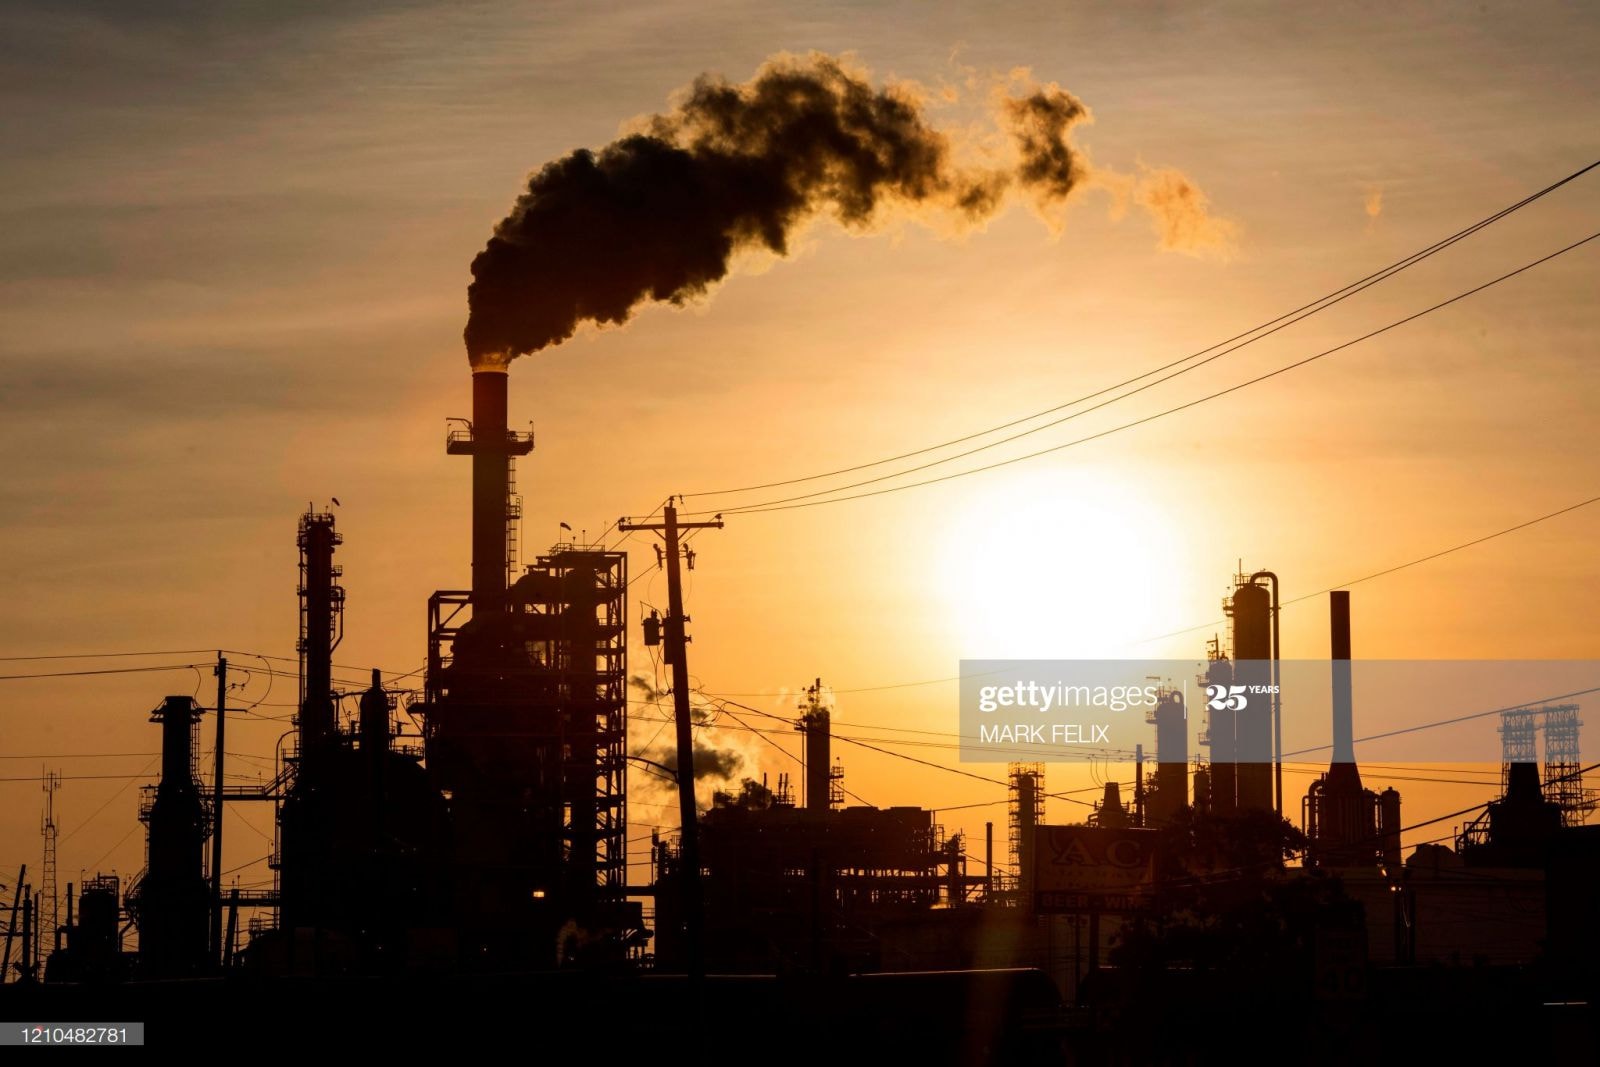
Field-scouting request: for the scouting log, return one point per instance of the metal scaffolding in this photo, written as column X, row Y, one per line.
column 1519, row 741
column 49, row 897
column 1563, row 777
column 1024, row 812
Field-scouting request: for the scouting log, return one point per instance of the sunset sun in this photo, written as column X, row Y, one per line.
column 1074, row 565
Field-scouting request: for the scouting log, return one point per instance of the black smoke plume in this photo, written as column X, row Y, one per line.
column 658, row 215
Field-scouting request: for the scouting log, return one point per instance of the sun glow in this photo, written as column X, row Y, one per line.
column 1073, row 564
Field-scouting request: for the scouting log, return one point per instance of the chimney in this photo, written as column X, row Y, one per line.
column 375, row 718
column 491, row 447
column 177, row 716
column 1112, row 815
column 491, row 480
column 1343, row 772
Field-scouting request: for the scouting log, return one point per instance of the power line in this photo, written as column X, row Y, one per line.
column 1369, row 737
column 75, row 777
column 106, row 655
column 96, row 864
column 1397, row 567
column 897, row 755
column 83, row 755
column 247, row 863
column 1218, row 622
column 360, row 678
column 115, row 755
column 1316, row 772
column 1448, row 551
column 148, row 767
column 762, row 734
column 945, row 767
column 1452, row 721
column 1216, row 876
column 805, row 500
column 1265, row 329
column 107, row 670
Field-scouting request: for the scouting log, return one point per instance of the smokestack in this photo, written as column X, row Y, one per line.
column 1341, row 818
column 177, row 716
column 320, row 597
column 491, row 447
column 1111, row 812
column 375, row 718
column 173, row 897
column 491, row 485
column 1344, row 749
column 816, row 728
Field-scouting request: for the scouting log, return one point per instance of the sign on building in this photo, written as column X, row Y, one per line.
column 1088, row 868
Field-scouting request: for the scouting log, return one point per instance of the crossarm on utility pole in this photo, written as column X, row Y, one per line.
column 676, row 642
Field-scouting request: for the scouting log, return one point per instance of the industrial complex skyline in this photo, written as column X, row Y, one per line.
column 226, row 355
column 1035, row 332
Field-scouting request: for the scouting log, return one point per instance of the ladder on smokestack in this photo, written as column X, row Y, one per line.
column 513, row 520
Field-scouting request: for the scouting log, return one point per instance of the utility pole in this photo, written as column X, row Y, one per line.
column 221, row 671
column 11, row 925
column 27, row 934
column 674, row 637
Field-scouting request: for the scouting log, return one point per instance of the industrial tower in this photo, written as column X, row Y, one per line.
column 50, row 899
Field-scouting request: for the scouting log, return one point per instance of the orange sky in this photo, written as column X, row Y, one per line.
column 235, row 257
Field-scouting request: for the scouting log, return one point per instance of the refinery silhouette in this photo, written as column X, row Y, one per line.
column 451, row 848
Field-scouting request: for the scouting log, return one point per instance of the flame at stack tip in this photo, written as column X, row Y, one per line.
column 491, row 362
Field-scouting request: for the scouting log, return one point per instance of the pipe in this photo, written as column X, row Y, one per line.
column 27, row 934
column 988, row 862
column 233, row 928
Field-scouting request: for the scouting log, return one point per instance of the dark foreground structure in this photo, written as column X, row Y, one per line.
column 477, row 869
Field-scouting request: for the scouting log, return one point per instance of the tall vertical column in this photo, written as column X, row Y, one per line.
column 1344, row 748
column 490, row 488
column 319, row 595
